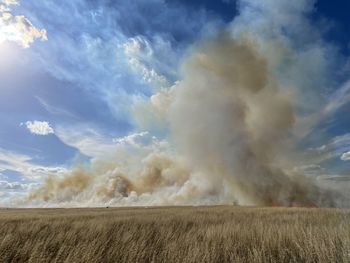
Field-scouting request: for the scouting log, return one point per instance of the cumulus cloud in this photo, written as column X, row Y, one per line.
column 17, row 28
column 39, row 127
column 345, row 156
column 4, row 4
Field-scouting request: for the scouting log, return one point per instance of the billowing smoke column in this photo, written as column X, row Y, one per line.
column 235, row 118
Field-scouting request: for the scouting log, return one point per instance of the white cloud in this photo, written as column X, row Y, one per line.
column 149, row 75
column 140, row 53
column 18, row 29
column 335, row 178
column 97, row 145
column 4, row 5
column 345, row 156
column 339, row 99
column 310, row 170
column 5, row 185
column 22, row 164
column 336, row 147
column 133, row 139
column 87, row 140
column 39, row 127
column 138, row 46
column 54, row 110
column 142, row 141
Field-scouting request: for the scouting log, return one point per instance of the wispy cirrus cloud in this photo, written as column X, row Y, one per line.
column 121, row 57
column 87, row 140
column 334, row 148
column 54, row 109
column 23, row 164
column 339, row 99
column 93, row 143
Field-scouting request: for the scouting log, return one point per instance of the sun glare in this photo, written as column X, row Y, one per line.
column 8, row 54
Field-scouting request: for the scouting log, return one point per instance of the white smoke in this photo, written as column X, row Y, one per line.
column 244, row 100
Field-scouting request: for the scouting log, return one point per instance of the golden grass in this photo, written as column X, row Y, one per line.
column 178, row 234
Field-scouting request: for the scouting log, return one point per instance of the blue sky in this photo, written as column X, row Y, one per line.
column 73, row 74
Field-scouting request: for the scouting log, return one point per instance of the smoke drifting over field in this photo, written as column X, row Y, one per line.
column 105, row 184
column 235, row 117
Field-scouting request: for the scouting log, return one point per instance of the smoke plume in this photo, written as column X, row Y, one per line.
column 104, row 183
column 236, row 119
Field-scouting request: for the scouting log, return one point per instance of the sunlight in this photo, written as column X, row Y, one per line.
column 9, row 53
column 8, row 33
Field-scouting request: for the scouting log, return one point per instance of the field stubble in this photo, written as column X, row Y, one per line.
column 176, row 234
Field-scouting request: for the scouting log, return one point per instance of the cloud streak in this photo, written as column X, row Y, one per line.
column 23, row 164
column 5, row 185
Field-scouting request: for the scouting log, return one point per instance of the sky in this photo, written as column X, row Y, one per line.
column 77, row 79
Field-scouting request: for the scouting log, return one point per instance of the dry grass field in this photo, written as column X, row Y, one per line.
column 178, row 234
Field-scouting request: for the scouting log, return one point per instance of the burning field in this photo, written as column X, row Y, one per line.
column 176, row 234
column 142, row 139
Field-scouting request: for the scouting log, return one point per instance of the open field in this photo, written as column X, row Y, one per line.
column 178, row 234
